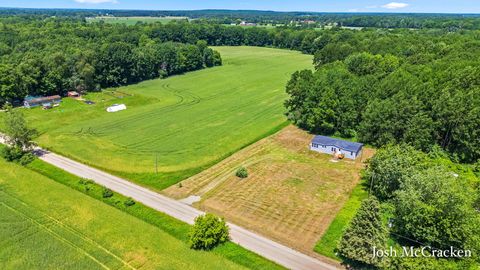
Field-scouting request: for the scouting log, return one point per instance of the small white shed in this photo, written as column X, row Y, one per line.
column 116, row 108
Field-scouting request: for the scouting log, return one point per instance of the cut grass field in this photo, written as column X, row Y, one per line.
column 170, row 225
column 186, row 123
column 327, row 245
column 134, row 20
column 46, row 225
column 291, row 194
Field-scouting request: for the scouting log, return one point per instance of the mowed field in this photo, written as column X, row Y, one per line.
column 45, row 225
column 291, row 194
column 183, row 123
column 134, row 20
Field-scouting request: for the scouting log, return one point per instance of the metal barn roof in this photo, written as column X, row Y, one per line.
column 345, row 145
column 32, row 100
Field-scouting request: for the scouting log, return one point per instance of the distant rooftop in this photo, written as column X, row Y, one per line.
column 342, row 144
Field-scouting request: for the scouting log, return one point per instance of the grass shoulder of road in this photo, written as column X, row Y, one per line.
column 173, row 227
column 47, row 225
column 327, row 245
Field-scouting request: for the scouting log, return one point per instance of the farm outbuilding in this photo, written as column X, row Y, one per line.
column 31, row 102
column 73, row 94
column 328, row 145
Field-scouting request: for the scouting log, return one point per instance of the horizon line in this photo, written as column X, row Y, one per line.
column 262, row 10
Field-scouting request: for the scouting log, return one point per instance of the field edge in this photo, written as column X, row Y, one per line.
column 327, row 244
column 169, row 225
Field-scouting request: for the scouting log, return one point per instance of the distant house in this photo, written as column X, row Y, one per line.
column 30, row 102
column 244, row 23
column 328, row 145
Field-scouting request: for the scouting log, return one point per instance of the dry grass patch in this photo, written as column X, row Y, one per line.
column 291, row 195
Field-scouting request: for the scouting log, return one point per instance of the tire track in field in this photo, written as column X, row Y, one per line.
column 144, row 146
column 57, row 236
column 183, row 96
column 106, row 128
column 49, row 224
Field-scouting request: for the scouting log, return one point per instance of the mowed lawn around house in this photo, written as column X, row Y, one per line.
column 177, row 126
column 291, row 195
column 46, row 225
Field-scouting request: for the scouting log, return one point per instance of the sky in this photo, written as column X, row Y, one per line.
column 418, row 6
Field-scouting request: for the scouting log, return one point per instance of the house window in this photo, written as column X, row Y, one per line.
column 351, row 153
column 333, row 149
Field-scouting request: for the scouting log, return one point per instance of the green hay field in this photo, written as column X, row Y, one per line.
column 134, row 20
column 186, row 122
column 45, row 225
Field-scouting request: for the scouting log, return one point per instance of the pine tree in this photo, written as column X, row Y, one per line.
column 365, row 232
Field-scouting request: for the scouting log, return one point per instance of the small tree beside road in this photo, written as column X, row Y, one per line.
column 208, row 232
column 18, row 137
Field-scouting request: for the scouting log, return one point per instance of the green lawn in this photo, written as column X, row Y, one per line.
column 46, row 225
column 134, row 20
column 186, row 122
column 329, row 241
column 173, row 227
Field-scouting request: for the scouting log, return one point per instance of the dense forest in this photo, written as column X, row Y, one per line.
column 415, row 87
column 431, row 204
column 419, row 87
column 52, row 56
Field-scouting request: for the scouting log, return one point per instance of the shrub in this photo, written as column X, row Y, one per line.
column 476, row 167
column 12, row 153
column 365, row 232
column 129, row 202
column 16, row 154
column 208, row 232
column 107, row 193
column 26, row 159
column 242, row 172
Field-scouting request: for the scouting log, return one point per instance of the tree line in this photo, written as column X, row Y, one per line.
column 52, row 56
column 381, row 86
column 380, row 20
column 416, row 87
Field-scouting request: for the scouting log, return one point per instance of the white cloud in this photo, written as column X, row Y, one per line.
column 395, row 5
column 352, row 10
column 96, row 1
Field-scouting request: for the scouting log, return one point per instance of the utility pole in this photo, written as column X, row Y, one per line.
column 156, row 162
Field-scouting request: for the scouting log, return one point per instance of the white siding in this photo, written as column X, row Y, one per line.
column 322, row 148
column 328, row 149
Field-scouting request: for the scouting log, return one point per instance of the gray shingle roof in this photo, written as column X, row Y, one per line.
column 344, row 145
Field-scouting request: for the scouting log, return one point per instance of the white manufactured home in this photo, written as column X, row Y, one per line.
column 328, row 145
